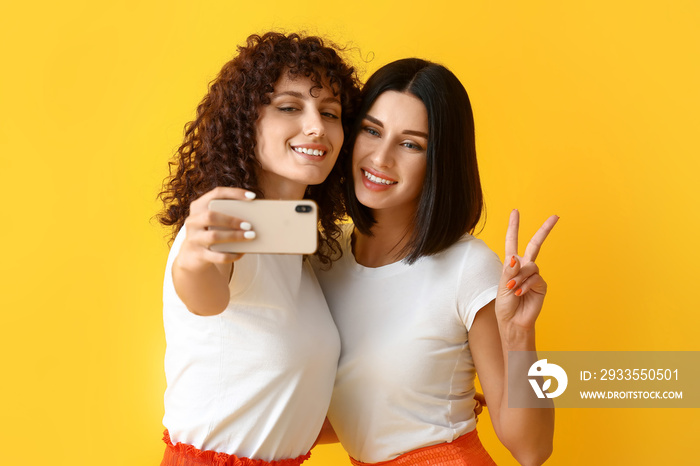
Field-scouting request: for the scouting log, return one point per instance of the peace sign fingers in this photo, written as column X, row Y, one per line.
column 533, row 247
column 522, row 289
column 535, row 244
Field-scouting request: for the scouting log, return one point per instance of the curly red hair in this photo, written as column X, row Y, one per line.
column 219, row 145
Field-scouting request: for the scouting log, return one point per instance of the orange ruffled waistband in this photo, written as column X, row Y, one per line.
column 182, row 454
column 466, row 450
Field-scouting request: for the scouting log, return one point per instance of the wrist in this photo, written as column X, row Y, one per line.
column 189, row 260
column 516, row 338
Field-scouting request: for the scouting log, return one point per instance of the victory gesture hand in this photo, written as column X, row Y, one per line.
column 521, row 290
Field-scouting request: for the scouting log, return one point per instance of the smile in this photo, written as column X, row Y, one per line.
column 304, row 150
column 376, row 179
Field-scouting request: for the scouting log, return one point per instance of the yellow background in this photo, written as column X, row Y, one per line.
column 584, row 109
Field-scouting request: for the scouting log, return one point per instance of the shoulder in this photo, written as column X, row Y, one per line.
column 472, row 252
column 479, row 267
column 479, row 274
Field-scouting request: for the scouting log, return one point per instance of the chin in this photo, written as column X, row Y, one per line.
column 365, row 198
column 314, row 179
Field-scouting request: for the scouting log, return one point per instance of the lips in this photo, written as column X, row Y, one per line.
column 375, row 181
column 314, row 150
column 378, row 179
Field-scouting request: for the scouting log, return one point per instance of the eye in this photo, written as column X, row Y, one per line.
column 330, row 115
column 371, row 131
column 412, row 145
column 287, row 109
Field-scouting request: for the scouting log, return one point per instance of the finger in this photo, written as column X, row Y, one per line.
column 526, row 271
column 534, row 283
column 512, row 234
column 208, row 238
column 511, row 268
column 226, row 192
column 478, row 408
column 221, row 192
column 221, row 257
column 211, row 219
column 533, row 247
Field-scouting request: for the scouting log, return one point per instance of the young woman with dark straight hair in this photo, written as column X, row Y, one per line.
column 451, row 200
column 421, row 305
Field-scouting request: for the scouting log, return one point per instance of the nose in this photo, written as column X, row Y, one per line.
column 381, row 155
column 313, row 124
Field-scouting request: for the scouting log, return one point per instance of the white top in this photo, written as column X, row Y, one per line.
column 255, row 380
column 406, row 375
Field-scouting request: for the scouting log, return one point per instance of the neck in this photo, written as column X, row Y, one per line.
column 390, row 235
column 278, row 188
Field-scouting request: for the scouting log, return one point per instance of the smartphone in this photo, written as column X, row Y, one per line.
column 281, row 226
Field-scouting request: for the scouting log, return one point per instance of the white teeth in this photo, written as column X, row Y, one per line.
column 306, row 151
column 376, row 179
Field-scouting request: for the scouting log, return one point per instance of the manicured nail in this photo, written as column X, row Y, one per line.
column 512, row 261
column 246, row 226
column 249, row 235
column 518, row 292
column 510, row 284
column 250, row 195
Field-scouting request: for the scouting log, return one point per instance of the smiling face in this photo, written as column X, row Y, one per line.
column 298, row 137
column 389, row 156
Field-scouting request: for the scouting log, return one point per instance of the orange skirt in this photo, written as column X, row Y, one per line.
column 186, row 455
column 467, row 450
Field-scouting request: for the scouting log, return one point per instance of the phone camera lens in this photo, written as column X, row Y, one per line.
column 303, row 208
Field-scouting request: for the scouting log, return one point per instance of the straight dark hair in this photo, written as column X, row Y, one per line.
column 451, row 202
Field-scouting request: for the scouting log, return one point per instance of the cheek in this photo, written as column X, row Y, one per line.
column 418, row 176
column 338, row 134
column 359, row 151
column 268, row 139
column 260, row 146
column 260, row 138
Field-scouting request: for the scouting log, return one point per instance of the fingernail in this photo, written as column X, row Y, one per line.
column 246, row 226
column 250, row 195
column 512, row 261
column 249, row 235
column 510, row 284
column 518, row 292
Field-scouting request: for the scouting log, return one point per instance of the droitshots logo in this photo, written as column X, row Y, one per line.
column 549, row 371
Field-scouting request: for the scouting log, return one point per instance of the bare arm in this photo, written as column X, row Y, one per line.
column 201, row 276
column 508, row 324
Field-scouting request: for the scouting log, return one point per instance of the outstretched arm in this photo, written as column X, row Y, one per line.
column 200, row 275
column 508, row 324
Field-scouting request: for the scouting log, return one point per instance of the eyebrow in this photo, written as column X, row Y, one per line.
column 406, row 131
column 299, row 95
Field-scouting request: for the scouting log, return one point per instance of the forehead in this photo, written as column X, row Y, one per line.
column 400, row 109
column 289, row 84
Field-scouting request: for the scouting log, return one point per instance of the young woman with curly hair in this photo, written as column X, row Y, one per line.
column 251, row 347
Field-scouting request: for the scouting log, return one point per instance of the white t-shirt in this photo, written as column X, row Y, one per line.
column 406, row 376
column 255, row 380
